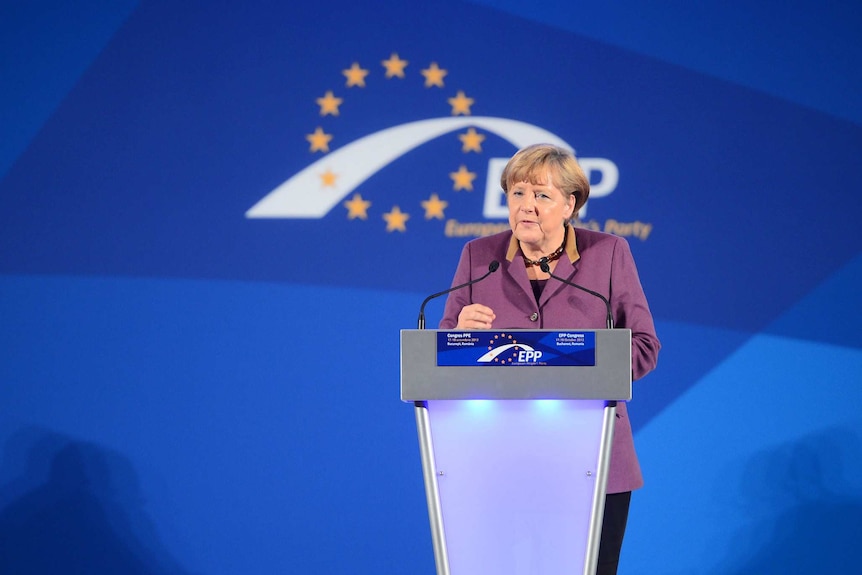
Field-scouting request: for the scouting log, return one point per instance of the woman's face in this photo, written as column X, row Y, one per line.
column 537, row 213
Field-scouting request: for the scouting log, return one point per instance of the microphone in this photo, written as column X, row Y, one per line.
column 492, row 267
column 543, row 264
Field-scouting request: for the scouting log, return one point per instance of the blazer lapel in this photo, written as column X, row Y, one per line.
column 518, row 273
column 565, row 269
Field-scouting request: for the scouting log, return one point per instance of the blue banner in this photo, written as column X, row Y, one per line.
column 516, row 348
column 216, row 217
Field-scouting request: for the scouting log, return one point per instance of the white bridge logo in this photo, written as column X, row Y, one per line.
column 362, row 158
column 526, row 354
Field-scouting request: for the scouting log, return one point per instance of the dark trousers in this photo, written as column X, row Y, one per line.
column 613, row 529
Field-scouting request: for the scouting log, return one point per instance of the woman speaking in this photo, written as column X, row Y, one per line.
column 544, row 188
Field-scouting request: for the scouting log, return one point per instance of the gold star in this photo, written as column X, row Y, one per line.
column 434, row 75
column 434, row 207
column 463, row 179
column 394, row 66
column 329, row 104
column 357, row 207
column 472, row 141
column 395, row 220
column 355, row 76
column 328, row 178
column 319, row 140
column 461, row 104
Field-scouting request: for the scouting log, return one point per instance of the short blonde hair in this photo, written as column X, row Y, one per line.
column 533, row 163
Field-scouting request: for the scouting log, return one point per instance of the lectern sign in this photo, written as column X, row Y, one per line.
column 516, row 348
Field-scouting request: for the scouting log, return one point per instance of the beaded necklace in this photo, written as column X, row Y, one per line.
column 553, row 256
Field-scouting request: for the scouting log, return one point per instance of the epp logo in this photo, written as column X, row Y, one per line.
column 521, row 353
column 529, row 356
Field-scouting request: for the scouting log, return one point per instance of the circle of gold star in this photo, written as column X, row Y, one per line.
column 394, row 66
column 329, row 104
column 463, row 179
column 355, row 76
column 434, row 207
column 472, row 141
column 434, row 75
column 357, row 207
column 461, row 104
column 327, row 178
column 319, row 140
column 396, row 220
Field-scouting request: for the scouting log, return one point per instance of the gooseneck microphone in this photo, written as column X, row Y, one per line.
column 543, row 264
column 492, row 267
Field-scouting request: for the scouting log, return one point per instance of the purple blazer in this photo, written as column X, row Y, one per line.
column 598, row 261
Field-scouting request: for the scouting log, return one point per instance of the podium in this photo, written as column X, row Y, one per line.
column 515, row 431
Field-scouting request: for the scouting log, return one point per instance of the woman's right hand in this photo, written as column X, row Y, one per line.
column 475, row 316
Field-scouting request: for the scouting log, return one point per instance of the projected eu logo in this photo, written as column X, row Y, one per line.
column 332, row 181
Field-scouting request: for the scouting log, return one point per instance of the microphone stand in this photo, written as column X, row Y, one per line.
column 543, row 264
column 492, row 267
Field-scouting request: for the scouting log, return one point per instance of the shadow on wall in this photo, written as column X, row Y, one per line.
column 805, row 500
column 69, row 506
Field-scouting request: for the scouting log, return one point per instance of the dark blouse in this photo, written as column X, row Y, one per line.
column 538, row 286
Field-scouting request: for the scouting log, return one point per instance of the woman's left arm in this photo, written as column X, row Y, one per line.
column 630, row 309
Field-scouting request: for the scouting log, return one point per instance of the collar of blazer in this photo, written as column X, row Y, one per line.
column 571, row 246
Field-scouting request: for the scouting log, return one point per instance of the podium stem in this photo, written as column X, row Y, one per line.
column 432, row 491
column 597, row 516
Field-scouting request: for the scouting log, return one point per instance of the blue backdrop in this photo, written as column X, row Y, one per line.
column 216, row 217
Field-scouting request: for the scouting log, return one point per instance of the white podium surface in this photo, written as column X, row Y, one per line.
column 516, row 482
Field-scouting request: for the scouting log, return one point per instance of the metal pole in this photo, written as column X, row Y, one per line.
column 600, row 489
column 432, row 491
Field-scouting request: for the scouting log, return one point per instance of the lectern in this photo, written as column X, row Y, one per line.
column 515, row 430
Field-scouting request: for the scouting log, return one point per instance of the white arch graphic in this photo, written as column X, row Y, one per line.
column 488, row 357
column 303, row 195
